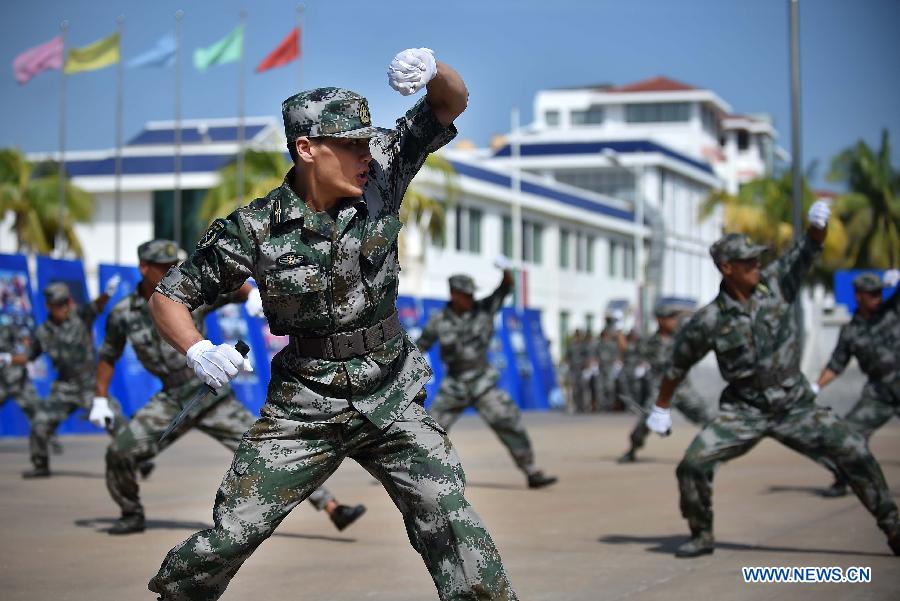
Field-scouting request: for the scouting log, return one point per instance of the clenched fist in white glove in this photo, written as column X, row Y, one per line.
column 101, row 415
column 814, row 386
column 112, row 284
column 818, row 214
column 660, row 421
column 503, row 263
column 216, row 365
column 411, row 70
column 5, row 359
column 254, row 304
column 891, row 278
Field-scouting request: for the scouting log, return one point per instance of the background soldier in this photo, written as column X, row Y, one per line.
column 749, row 326
column 654, row 354
column 631, row 383
column 221, row 415
column 606, row 349
column 577, row 361
column 873, row 337
column 464, row 329
column 67, row 339
column 14, row 380
column 323, row 249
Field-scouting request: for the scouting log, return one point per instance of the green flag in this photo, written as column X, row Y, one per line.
column 226, row 50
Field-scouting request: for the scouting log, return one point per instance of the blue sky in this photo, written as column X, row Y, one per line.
column 506, row 50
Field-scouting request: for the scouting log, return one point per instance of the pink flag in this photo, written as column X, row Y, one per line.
column 48, row 55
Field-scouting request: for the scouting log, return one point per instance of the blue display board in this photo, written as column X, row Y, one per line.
column 429, row 306
column 229, row 324
column 17, row 308
column 843, row 287
column 544, row 384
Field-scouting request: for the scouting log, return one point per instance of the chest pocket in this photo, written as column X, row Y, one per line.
column 295, row 300
column 379, row 250
column 734, row 342
column 296, row 280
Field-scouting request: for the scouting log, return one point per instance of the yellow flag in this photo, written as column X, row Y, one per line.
column 102, row 53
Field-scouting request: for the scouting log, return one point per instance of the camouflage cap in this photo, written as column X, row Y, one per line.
column 462, row 283
column 160, row 251
column 332, row 112
column 670, row 307
column 57, row 293
column 735, row 246
column 868, row 282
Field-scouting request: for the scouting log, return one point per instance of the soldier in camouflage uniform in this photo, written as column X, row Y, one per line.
column 66, row 336
column 631, row 383
column 606, row 353
column 323, row 250
column 747, row 326
column 464, row 329
column 14, row 381
column 221, row 416
column 873, row 337
column 654, row 354
column 576, row 360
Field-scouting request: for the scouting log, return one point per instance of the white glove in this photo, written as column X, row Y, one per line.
column 640, row 370
column 5, row 359
column 819, row 213
column 216, row 365
column 891, row 278
column 615, row 369
column 660, row 421
column 503, row 263
column 411, row 70
column 101, row 415
column 254, row 304
column 112, row 284
column 815, row 388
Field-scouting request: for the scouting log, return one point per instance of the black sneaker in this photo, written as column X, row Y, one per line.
column 127, row 524
column 700, row 544
column 37, row 472
column 837, row 489
column 145, row 469
column 539, row 480
column 628, row 457
column 344, row 515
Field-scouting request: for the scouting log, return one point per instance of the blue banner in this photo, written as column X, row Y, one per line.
column 544, row 385
column 17, row 308
column 516, row 372
column 429, row 306
column 843, row 287
column 229, row 324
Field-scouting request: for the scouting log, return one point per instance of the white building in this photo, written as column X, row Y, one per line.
column 609, row 177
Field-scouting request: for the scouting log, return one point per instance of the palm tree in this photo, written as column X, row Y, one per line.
column 263, row 171
column 31, row 192
column 871, row 209
column 423, row 213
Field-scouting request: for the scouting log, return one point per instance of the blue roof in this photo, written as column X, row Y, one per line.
column 191, row 135
column 148, row 165
column 624, row 146
column 566, row 198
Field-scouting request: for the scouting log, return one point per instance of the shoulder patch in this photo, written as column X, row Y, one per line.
column 212, row 234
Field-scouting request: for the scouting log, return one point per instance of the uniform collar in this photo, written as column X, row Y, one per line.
column 288, row 206
column 728, row 303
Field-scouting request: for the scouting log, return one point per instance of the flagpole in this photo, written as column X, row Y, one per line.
column 176, row 221
column 120, row 20
column 63, row 27
column 240, row 157
column 516, row 218
column 300, row 34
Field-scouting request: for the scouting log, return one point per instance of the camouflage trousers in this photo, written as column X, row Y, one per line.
column 65, row 398
column 496, row 408
column 878, row 403
column 282, row 461
column 26, row 397
column 686, row 400
column 806, row 428
column 224, row 418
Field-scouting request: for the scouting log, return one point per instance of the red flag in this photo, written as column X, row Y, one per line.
column 288, row 50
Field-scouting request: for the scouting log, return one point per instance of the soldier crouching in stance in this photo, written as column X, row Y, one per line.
column 323, row 249
column 751, row 327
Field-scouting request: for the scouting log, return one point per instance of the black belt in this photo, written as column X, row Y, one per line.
column 349, row 344
column 177, row 378
column 766, row 379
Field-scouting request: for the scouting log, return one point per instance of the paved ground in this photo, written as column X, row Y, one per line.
column 605, row 532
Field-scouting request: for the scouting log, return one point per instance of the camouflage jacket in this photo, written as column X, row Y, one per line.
column 319, row 276
column 875, row 342
column 129, row 321
column 604, row 348
column 465, row 339
column 70, row 344
column 12, row 341
column 756, row 339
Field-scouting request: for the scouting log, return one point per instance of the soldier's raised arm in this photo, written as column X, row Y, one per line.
column 429, row 334
column 791, row 268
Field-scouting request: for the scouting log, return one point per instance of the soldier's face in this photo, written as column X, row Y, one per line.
column 667, row 325
column 742, row 272
column 868, row 300
column 461, row 301
column 60, row 312
column 340, row 166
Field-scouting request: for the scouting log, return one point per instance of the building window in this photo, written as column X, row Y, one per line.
column 709, row 120
column 192, row 227
column 616, row 182
column 628, row 260
column 564, row 329
column 551, row 118
column 613, row 259
column 564, row 248
column 589, row 243
column 532, row 242
column 658, row 112
column 506, row 241
column 592, row 116
column 743, row 139
column 589, row 323
column 468, row 230
column 584, row 253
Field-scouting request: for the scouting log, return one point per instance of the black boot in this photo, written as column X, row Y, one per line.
column 38, row 471
column 539, row 480
column 344, row 515
column 837, row 489
column 128, row 524
column 145, row 469
column 628, row 457
column 701, row 543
